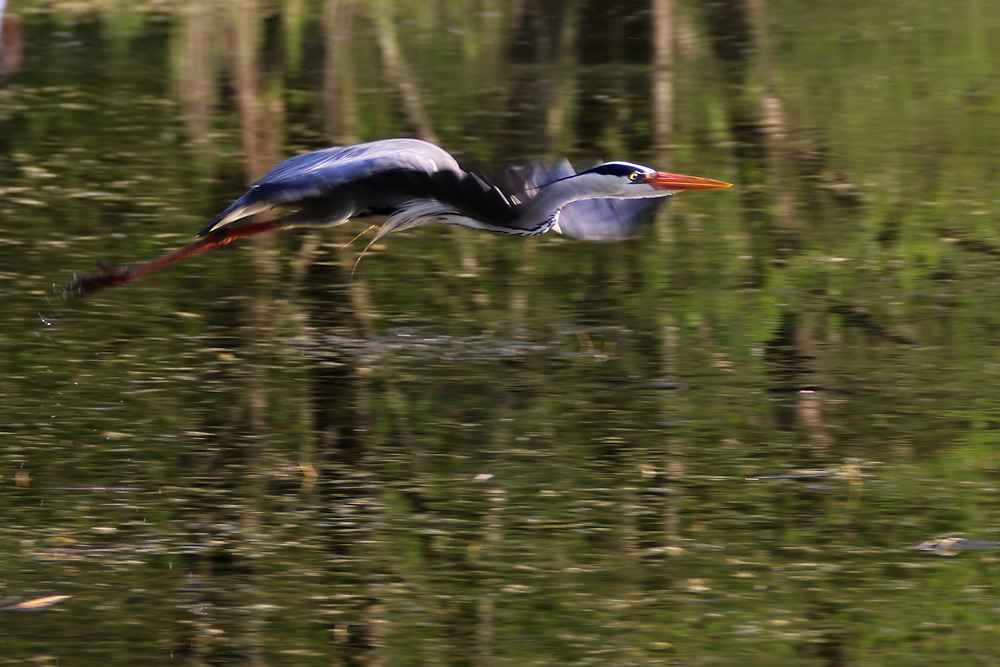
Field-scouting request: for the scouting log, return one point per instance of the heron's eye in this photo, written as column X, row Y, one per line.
column 634, row 176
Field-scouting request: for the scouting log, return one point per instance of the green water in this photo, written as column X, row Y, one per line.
column 485, row 450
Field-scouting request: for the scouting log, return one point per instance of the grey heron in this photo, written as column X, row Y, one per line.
column 410, row 182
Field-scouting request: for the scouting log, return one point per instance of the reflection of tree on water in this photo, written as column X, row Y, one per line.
column 11, row 44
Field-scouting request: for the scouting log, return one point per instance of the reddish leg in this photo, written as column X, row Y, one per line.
column 109, row 276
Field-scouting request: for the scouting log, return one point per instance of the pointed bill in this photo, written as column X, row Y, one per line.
column 664, row 181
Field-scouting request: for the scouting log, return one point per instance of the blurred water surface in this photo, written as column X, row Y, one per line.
column 494, row 451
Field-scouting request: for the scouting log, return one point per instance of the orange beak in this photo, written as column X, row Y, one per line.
column 664, row 181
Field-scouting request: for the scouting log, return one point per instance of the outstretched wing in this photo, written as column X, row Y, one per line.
column 346, row 177
column 607, row 219
column 590, row 219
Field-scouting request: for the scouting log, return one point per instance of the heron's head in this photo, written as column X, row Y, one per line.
column 634, row 181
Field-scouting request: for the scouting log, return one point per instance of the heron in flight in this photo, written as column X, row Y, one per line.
column 409, row 182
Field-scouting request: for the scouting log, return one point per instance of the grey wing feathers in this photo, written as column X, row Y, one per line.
column 314, row 174
column 606, row 219
column 322, row 173
column 590, row 219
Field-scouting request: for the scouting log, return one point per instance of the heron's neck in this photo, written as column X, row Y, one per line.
column 542, row 210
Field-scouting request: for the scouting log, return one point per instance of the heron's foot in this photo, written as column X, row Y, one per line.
column 107, row 276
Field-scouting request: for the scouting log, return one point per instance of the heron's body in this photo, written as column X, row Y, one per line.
column 412, row 182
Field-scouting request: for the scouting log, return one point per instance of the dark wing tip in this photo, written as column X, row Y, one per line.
column 474, row 195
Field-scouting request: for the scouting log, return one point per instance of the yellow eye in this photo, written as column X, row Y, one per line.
column 634, row 176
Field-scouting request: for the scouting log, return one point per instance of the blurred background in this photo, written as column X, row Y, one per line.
column 716, row 442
